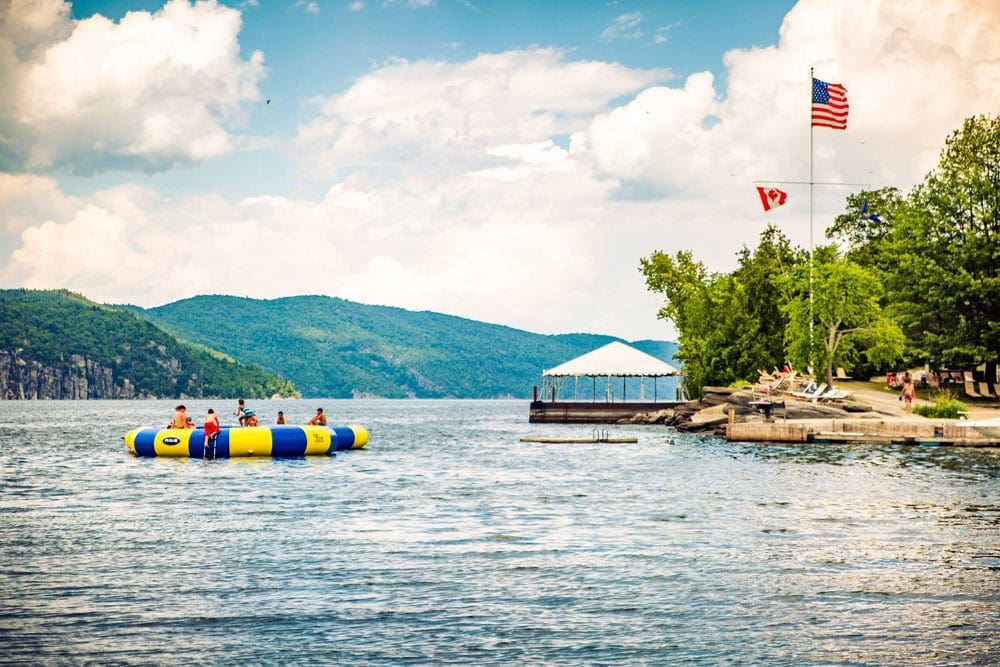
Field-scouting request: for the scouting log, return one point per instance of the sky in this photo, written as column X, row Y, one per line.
column 510, row 162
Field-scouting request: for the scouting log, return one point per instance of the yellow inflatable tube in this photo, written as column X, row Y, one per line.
column 277, row 441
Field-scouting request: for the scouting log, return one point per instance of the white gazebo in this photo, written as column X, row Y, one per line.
column 615, row 359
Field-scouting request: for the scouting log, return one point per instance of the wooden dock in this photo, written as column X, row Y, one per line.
column 592, row 440
column 582, row 412
column 925, row 432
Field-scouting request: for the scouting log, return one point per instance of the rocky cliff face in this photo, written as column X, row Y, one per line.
column 76, row 378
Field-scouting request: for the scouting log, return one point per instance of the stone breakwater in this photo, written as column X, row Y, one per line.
column 711, row 413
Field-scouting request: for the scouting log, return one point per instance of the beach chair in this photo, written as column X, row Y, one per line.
column 841, row 375
column 835, row 395
column 811, row 393
column 985, row 391
column 784, row 383
column 970, row 386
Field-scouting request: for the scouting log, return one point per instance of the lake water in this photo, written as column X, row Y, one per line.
column 448, row 541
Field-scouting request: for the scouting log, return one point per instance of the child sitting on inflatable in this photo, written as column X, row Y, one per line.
column 181, row 419
column 246, row 415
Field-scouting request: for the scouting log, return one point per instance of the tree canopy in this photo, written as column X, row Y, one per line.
column 730, row 326
column 847, row 320
column 911, row 277
column 938, row 250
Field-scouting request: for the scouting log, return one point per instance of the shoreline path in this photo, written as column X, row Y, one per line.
column 886, row 402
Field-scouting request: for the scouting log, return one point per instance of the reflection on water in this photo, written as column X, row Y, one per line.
column 449, row 541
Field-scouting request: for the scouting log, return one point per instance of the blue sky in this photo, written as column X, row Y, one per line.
column 508, row 161
column 320, row 48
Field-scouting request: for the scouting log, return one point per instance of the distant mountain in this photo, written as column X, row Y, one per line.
column 56, row 344
column 330, row 347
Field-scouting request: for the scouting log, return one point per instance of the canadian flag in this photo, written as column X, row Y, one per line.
column 771, row 197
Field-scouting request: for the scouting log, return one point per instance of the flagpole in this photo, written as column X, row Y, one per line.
column 811, row 184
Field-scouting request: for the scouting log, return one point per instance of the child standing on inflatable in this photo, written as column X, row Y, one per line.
column 212, row 430
column 246, row 415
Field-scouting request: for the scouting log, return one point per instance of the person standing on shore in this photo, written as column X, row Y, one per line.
column 907, row 392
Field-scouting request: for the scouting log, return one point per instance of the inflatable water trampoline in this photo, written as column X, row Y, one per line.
column 282, row 441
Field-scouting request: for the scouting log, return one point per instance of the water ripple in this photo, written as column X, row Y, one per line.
column 450, row 542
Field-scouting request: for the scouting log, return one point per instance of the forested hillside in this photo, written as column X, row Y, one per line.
column 340, row 349
column 56, row 344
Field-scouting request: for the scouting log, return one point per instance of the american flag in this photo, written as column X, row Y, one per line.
column 829, row 108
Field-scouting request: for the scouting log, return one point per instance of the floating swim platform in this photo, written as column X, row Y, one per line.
column 280, row 441
column 566, row 441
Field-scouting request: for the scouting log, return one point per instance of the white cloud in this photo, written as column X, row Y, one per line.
column 409, row 117
column 625, row 26
column 24, row 201
column 533, row 262
column 149, row 92
column 662, row 34
column 308, row 6
column 356, row 6
column 411, row 4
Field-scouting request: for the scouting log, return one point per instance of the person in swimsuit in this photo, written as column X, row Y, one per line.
column 181, row 419
column 318, row 419
column 247, row 416
column 212, row 430
column 281, row 418
column 908, row 391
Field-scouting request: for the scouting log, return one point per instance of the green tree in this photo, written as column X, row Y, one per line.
column 944, row 285
column 864, row 233
column 937, row 250
column 729, row 326
column 846, row 316
column 688, row 304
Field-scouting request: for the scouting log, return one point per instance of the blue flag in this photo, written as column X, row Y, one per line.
column 865, row 215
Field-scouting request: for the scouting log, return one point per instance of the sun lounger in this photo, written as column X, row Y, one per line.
column 811, row 393
column 985, row 391
column 835, row 395
column 970, row 386
column 841, row 375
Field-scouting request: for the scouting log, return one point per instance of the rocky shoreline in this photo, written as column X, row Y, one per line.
column 710, row 414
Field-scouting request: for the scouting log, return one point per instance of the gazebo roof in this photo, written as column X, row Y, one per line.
column 615, row 359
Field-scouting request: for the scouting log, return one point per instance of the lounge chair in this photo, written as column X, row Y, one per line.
column 985, row 391
column 841, row 375
column 970, row 386
column 835, row 395
column 784, row 383
column 810, row 393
